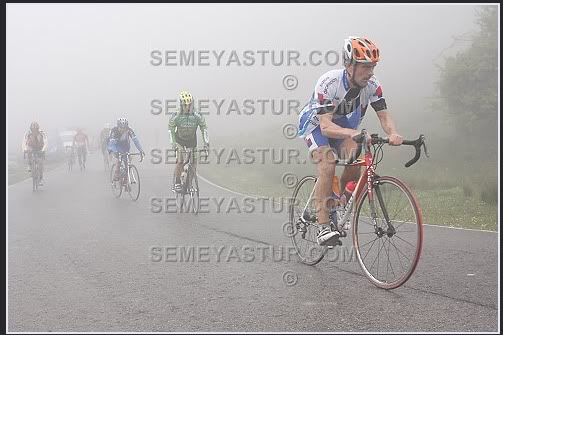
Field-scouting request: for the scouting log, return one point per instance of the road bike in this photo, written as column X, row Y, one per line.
column 106, row 158
column 71, row 158
column 387, row 231
column 35, row 170
column 82, row 155
column 188, row 197
column 129, row 179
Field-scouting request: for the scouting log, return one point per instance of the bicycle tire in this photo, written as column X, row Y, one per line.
column 115, row 185
column 299, row 228
column 133, row 175
column 407, row 229
column 194, row 193
column 34, row 174
column 180, row 196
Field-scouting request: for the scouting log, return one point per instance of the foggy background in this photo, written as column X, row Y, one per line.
column 72, row 66
column 85, row 65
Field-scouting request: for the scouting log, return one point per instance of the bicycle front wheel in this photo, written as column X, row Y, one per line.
column 35, row 177
column 303, row 223
column 115, row 184
column 182, row 197
column 133, row 185
column 194, row 193
column 387, row 233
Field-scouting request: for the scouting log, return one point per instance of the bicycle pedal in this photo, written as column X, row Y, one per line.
column 334, row 244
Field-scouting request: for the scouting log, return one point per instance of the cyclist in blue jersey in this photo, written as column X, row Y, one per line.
column 119, row 142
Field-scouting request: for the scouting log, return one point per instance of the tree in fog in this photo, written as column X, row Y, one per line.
column 468, row 83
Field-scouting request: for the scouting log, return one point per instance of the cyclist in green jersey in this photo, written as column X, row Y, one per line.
column 182, row 130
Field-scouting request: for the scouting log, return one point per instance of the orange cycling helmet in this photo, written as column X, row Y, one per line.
column 360, row 50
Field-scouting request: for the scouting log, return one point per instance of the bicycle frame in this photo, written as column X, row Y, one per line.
column 368, row 198
column 367, row 179
column 35, row 165
column 124, row 161
column 188, row 163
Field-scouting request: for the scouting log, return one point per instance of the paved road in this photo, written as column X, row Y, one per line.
column 82, row 261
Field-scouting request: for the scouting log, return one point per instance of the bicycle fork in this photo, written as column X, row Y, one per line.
column 379, row 231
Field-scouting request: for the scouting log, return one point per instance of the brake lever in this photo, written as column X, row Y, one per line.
column 359, row 139
column 421, row 138
column 417, row 147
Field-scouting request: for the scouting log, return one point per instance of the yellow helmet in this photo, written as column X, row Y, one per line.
column 186, row 98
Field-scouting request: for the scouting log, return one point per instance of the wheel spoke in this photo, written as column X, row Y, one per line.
column 393, row 260
column 398, row 250
column 405, row 241
column 308, row 250
column 370, row 241
column 370, row 248
column 390, row 262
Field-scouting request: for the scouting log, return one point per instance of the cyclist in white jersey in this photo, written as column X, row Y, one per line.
column 330, row 119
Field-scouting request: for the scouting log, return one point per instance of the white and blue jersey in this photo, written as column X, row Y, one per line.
column 119, row 142
column 334, row 94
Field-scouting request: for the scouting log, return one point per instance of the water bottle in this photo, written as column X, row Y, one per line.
column 348, row 190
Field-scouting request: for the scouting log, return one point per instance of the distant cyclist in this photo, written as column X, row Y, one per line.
column 119, row 142
column 182, row 130
column 80, row 142
column 35, row 140
column 330, row 119
column 104, row 136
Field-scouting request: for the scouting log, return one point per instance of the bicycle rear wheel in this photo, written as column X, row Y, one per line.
column 303, row 223
column 388, row 243
column 115, row 184
column 133, row 184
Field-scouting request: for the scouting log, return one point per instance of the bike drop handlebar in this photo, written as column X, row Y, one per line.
column 362, row 140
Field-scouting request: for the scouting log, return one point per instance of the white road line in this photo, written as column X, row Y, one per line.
column 464, row 229
column 230, row 190
column 261, row 197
